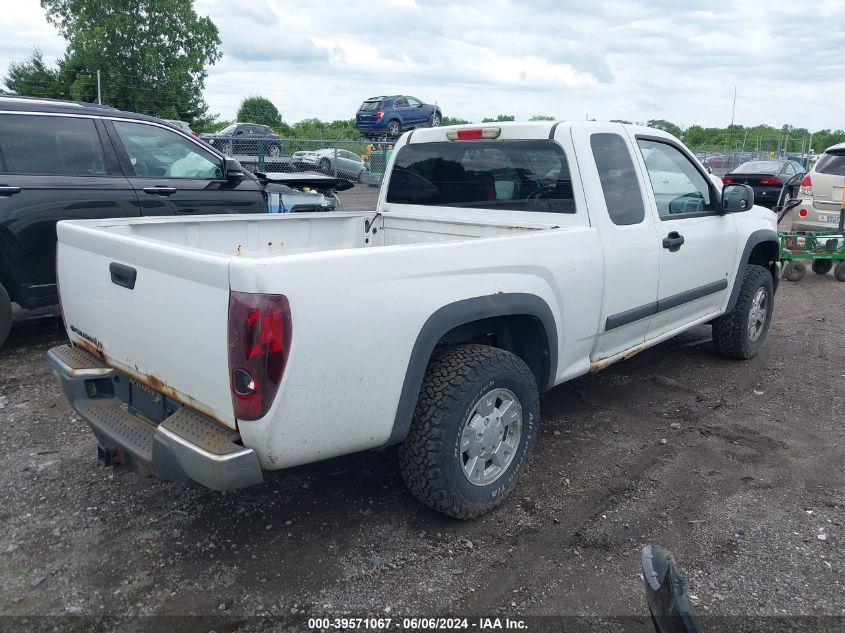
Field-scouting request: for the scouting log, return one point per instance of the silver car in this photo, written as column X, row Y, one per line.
column 329, row 161
column 821, row 193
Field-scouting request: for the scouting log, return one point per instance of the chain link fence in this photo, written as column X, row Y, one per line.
column 721, row 161
column 360, row 161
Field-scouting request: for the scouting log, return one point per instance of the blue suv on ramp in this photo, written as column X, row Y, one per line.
column 390, row 116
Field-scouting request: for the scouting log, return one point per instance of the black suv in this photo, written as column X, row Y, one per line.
column 64, row 160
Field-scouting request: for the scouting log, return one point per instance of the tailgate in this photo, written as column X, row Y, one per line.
column 168, row 330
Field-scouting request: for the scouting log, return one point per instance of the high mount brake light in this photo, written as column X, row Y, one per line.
column 259, row 344
column 474, row 134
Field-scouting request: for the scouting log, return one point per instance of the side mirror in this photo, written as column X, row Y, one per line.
column 737, row 198
column 232, row 169
column 794, row 185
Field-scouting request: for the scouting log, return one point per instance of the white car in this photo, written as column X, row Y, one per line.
column 330, row 161
column 501, row 260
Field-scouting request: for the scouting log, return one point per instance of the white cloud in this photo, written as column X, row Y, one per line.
column 631, row 59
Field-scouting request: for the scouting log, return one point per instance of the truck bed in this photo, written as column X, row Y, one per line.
column 273, row 235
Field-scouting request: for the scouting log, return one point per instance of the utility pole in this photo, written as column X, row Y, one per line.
column 99, row 93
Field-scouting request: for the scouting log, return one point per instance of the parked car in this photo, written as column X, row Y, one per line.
column 248, row 139
column 767, row 177
column 66, row 160
column 181, row 125
column 489, row 272
column 821, row 192
column 330, row 161
column 390, row 116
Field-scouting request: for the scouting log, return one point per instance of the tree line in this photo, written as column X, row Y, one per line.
column 152, row 57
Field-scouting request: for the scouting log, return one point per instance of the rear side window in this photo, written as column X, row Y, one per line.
column 832, row 164
column 514, row 175
column 50, row 145
column 622, row 194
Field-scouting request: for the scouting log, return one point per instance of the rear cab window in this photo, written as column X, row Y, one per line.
column 619, row 183
column 525, row 175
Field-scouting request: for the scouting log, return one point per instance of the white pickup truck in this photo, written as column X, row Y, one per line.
column 501, row 261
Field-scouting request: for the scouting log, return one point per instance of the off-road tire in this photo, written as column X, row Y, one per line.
column 430, row 457
column 794, row 271
column 822, row 266
column 730, row 331
column 5, row 315
column 839, row 271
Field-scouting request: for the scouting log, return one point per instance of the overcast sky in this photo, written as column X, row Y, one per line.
column 566, row 58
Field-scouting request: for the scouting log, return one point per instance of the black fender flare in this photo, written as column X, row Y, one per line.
column 757, row 237
column 459, row 313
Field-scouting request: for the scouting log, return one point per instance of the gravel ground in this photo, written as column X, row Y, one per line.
column 737, row 467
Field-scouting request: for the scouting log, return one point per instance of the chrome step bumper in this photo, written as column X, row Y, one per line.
column 185, row 446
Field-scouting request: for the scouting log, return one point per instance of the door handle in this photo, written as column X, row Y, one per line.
column 673, row 241
column 9, row 191
column 160, row 191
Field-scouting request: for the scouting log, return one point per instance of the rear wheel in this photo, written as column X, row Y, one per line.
column 5, row 315
column 740, row 333
column 839, row 271
column 822, row 266
column 275, row 151
column 326, row 166
column 794, row 271
column 474, row 426
column 394, row 129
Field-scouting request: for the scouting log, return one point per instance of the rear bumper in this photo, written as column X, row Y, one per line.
column 186, row 446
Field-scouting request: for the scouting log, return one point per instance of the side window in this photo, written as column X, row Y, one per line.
column 414, row 103
column 679, row 188
column 618, row 178
column 50, row 145
column 788, row 169
column 400, row 103
column 159, row 153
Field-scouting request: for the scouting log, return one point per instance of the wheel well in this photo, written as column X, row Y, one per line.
column 763, row 254
column 520, row 334
column 9, row 284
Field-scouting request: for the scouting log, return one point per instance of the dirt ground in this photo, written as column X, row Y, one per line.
column 746, row 490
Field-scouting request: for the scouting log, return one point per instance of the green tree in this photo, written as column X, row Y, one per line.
column 152, row 55
column 620, row 121
column 450, row 120
column 500, row 118
column 259, row 110
column 542, row 117
column 664, row 125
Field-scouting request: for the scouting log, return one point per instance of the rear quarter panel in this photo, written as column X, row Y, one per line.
column 356, row 316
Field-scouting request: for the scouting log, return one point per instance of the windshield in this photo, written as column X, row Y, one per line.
column 229, row 129
column 515, row 175
column 759, row 167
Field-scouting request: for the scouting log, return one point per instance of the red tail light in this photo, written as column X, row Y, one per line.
column 770, row 181
column 807, row 185
column 727, row 179
column 379, row 114
column 259, row 343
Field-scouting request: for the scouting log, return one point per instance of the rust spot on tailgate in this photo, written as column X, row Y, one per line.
column 152, row 381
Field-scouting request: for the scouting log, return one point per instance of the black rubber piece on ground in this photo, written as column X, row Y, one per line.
column 730, row 331
column 839, row 271
column 794, row 271
column 430, row 457
column 5, row 315
column 822, row 266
